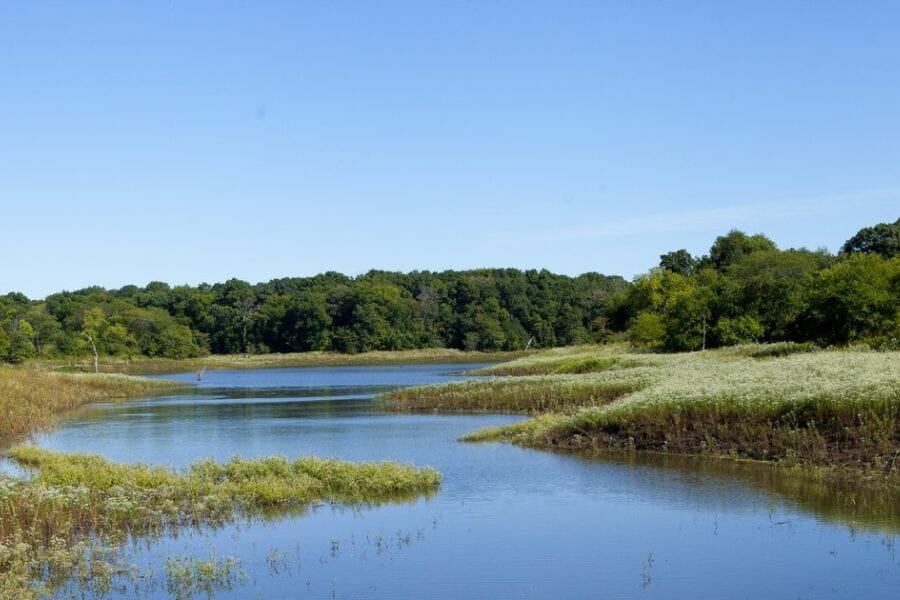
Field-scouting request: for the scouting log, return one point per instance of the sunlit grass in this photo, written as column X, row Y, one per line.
column 32, row 399
column 77, row 508
column 525, row 394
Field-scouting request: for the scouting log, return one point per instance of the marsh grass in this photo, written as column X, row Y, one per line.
column 773, row 350
column 76, row 508
column 527, row 394
column 797, row 406
column 144, row 365
column 32, row 399
column 187, row 576
column 573, row 360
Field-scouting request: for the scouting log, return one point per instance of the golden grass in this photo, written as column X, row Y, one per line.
column 32, row 399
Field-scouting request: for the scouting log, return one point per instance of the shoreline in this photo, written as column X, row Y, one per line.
column 156, row 366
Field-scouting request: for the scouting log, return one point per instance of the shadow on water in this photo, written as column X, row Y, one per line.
column 849, row 503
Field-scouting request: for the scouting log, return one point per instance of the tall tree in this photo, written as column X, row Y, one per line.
column 883, row 239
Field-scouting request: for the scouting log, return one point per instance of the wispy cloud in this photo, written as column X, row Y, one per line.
column 707, row 218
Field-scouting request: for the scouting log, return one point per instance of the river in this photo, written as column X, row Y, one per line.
column 507, row 522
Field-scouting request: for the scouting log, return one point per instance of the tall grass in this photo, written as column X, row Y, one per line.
column 573, row 360
column 68, row 520
column 526, row 394
column 31, row 399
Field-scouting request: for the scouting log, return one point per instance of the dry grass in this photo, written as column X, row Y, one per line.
column 32, row 399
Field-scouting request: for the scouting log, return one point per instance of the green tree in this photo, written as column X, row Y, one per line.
column 688, row 312
column 678, row 261
column 646, row 330
column 883, row 239
column 770, row 286
column 306, row 323
column 740, row 330
column 4, row 343
column 19, row 341
column 176, row 341
column 729, row 248
column 854, row 299
column 116, row 340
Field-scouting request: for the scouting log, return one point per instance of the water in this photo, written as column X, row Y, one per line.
column 507, row 522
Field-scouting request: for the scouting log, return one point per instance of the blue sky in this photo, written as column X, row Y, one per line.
column 189, row 142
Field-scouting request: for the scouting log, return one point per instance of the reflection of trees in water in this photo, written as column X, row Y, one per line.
column 322, row 403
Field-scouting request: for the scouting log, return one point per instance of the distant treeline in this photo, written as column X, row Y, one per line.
column 744, row 290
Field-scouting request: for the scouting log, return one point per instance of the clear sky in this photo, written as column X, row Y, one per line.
column 190, row 141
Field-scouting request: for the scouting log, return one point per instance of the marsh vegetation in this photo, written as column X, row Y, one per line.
column 71, row 517
column 779, row 403
column 32, row 399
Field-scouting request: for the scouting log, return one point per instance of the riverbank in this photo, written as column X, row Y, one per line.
column 146, row 366
column 784, row 403
column 33, row 399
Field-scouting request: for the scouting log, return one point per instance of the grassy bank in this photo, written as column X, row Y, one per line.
column 144, row 365
column 777, row 403
column 32, row 399
column 71, row 518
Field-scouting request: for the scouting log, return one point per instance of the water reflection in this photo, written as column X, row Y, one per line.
column 844, row 502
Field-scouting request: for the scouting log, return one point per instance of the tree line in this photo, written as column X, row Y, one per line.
column 746, row 289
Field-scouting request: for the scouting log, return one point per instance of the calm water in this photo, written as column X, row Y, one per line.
column 507, row 522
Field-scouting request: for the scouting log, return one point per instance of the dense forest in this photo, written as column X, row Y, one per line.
column 746, row 289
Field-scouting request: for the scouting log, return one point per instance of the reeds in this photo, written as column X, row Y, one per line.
column 32, row 399
column 76, row 507
column 527, row 394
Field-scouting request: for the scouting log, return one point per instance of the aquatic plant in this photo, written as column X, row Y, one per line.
column 68, row 519
column 186, row 576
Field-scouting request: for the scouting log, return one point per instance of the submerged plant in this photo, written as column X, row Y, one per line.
column 186, row 576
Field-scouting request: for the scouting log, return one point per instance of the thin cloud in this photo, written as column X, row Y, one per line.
column 704, row 219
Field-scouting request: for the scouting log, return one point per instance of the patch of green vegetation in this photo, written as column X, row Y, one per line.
column 527, row 394
column 590, row 364
column 186, row 577
column 68, row 519
column 775, row 350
